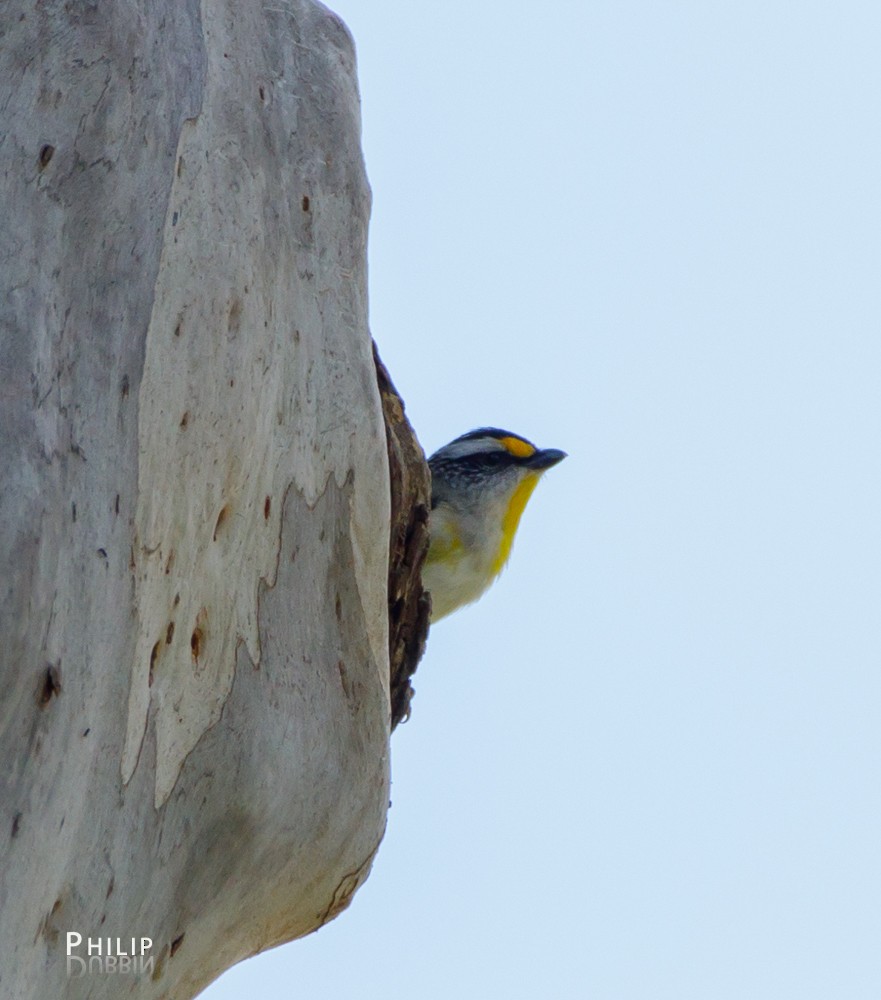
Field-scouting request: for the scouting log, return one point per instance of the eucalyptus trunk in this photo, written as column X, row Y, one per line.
column 194, row 491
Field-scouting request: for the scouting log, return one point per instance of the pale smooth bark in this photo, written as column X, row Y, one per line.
column 194, row 488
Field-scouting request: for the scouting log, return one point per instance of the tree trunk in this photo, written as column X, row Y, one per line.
column 194, row 503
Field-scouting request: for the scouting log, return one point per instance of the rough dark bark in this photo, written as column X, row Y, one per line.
column 409, row 605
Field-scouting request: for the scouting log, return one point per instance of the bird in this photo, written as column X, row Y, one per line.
column 480, row 484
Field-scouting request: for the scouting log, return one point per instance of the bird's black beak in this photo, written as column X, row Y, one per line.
column 544, row 459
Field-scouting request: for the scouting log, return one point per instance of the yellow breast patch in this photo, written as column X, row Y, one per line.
column 445, row 541
column 516, row 506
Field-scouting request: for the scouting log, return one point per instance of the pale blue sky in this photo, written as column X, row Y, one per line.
column 646, row 765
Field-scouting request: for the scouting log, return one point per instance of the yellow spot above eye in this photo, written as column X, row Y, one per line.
column 516, row 447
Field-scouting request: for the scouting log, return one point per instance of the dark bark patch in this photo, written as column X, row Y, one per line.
column 408, row 604
column 197, row 642
column 154, row 656
column 234, row 319
column 50, row 684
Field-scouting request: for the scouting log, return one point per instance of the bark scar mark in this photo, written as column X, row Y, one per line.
column 346, row 888
column 50, row 685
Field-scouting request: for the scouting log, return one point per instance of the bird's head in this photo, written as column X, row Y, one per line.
column 481, row 483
